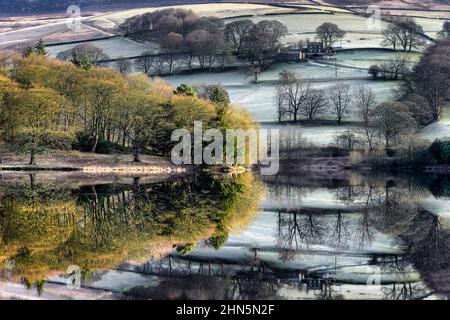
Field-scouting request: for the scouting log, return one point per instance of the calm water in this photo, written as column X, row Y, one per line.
column 343, row 236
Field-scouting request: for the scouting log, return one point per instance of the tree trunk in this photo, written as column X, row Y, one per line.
column 33, row 157
column 94, row 145
column 136, row 183
column 136, row 154
column 171, row 65
column 32, row 180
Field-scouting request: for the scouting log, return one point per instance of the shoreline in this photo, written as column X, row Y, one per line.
column 91, row 163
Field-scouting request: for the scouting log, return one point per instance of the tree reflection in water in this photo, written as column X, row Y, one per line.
column 46, row 227
column 317, row 237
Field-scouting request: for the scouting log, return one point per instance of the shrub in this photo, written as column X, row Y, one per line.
column 390, row 152
column 107, row 147
column 440, row 150
column 423, row 158
column 374, row 71
column 83, row 142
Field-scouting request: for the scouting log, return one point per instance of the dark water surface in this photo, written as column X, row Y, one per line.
column 345, row 236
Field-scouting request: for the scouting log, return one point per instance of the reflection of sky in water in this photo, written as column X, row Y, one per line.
column 347, row 256
column 290, row 198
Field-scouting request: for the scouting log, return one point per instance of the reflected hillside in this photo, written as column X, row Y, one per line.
column 46, row 228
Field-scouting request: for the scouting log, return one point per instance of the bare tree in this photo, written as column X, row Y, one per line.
column 340, row 97
column 123, row 65
column 391, row 36
column 413, row 34
column 405, row 33
column 365, row 104
column 236, row 32
column 430, row 78
column 262, row 43
column 315, row 104
column 145, row 62
column 206, row 47
column 172, row 44
column 293, row 93
column 280, row 100
column 160, row 64
column 393, row 120
column 398, row 66
column 329, row 33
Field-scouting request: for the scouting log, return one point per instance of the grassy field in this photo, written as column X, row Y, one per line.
column 114, row 47
column 366, row 58
column 303, row 27
column 418, row 13
column 221, row 10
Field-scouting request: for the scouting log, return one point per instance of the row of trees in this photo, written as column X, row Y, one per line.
column 430, row 79
column 380, row 124
column 49, row 104
column 393, row 69
column 187, row 41
column 183, row 36
column 403, row 33
column 296, row 99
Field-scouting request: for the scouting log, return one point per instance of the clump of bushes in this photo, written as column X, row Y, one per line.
column 436, row 154
column 84, row 142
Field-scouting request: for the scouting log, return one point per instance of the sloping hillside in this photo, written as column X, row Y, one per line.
column 51, row 6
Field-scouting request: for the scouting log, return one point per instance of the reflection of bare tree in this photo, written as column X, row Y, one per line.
column 428, row 242
column 402, row 288
column 347, row 193
column 205, row 281
column 365, row 232
column 328, row 292
column 340, row 233
column 403, row 291
column 297, row 229
column 253, row 285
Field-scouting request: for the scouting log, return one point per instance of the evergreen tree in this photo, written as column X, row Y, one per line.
column 184, row 89
column 39, row 48
column 27, row 51
column 219, row 96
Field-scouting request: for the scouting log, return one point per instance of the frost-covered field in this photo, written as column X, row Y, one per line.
column 361, row 32
column 440, row 129
column 431, row 27
column 307, row 23
column 259, row 99
column 114, row 47
column 324, row 8
column 221, row 10
column 418, row 13
column 366, row 58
